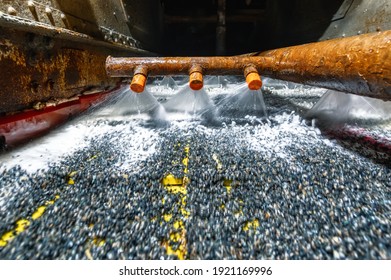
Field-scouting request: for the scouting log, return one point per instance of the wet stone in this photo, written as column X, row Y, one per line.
column 309, row 203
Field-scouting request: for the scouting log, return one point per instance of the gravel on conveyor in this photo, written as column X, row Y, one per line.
column 252, row 188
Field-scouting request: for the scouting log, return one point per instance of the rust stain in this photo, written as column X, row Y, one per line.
column 39, row 69
column 9, row 51
column 358, row 64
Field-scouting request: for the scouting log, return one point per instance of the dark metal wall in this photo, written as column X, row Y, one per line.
column 356, row 17
column 256, row 25
column 190, row 26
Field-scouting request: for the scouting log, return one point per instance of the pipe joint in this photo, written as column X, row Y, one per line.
column 139, row 79
column 253, row 79
column 196, row 80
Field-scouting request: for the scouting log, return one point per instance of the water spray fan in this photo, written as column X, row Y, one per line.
column 195, row 67
column 192, row 98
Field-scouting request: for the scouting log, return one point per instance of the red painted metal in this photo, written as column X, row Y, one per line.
column 363, row 141
column 23, row 127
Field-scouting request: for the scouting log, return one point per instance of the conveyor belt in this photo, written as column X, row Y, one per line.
column 248, row 189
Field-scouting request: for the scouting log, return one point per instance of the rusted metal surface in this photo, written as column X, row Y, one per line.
column 218, row 65
column 39, row 68
column 47, row 63
column 359, row 64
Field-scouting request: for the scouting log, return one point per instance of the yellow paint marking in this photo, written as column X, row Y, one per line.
column 39, row 212
column 41, row 209
column 177, row 186
column 7, row 237
column 180, row 238
column 178, row 225
column 22, row 224
column 251, row 225
column 227, row 185
column 167, row 217
column 176, row 189
column 70, row 179
column 183, row 200
column 99, row 241
column 170, row 180
column 175, row 236
column 180, row 252
column 185, row 213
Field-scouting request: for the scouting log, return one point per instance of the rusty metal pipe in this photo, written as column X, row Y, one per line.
column 217, row 65
column 359, row 64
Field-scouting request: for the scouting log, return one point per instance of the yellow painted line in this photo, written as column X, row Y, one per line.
column 185, row 162
column 254, row 224
column 170, row 180
column 178, row 224
column 41, row 209
column 99, row 241
column 177, row 186
column 167, row 217
column 70, row 179
column 39, row 212
column 22, row 224
column 176, row 189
